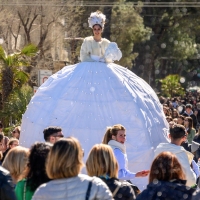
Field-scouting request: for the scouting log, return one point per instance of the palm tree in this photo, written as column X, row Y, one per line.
column 16, row 105
column 171, row 86
column 12, row 74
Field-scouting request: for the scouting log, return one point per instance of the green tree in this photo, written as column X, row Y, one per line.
column 16, row 105
column 12, row 75
column 127, row 28
column 170, row 86
column 173, row 46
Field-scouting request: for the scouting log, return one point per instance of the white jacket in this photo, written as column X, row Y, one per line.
column 91, row 47
column 74, row 188
column 184, row 157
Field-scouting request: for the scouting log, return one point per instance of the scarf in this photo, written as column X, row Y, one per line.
column 117, row 145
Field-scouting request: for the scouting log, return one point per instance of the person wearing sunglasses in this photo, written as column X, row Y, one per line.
column 16, row 132
column 52, row 134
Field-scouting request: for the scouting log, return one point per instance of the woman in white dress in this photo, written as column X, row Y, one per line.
column 86, row 97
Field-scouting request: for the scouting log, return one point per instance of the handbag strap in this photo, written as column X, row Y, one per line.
column 116, row 189
column 24, row 194
column 88, row 190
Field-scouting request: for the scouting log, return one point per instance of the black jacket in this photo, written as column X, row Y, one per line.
column 197, row 153
column 196, row 196
column 6, row 185
column 125, row 191
column 163, row 190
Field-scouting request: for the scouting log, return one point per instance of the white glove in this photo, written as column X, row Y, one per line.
column 102, row 59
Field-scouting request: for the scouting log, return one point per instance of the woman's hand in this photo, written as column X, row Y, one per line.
column 142, row 173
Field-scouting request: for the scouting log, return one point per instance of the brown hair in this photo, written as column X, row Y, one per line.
column 182, row 118
column 101, row 161
column 64, row 159
column 175, row 111
column 169, row 117
column 167, row 111
column 166, row 167
column 112, row 131
column 190, row 125
column 11, row 141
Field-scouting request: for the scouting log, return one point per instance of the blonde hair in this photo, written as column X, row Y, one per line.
column 112, row 131
column 101, row 161
column 18, row 129
column 16, row 162
column 64, row 159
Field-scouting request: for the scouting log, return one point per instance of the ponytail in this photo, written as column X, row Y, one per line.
column 112, row 131
column 107, row 136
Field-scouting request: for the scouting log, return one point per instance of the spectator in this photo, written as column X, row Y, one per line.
column 198, row 112
column 196, row 139
column 16, row 162
column 63, row 165
column 175, row 102
column 35, row 174
column 103, row 154
column 16, row 132
column 169, row 119
column 12, row 143
column 1, row 128
column 180, row 120
column 115, row 137
column 195, row 168
column 1, row 156
column 189, row 128
column 6, row 185
column 175, row 113
column 52, row 134
column 178, row 135
column 166, row 111
column 4, row 142
column 175, row 120
column 166, row 180
column 189, row 113
column 171, row 124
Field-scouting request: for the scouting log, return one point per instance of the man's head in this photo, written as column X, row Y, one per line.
column 188, row 108
column 178, row 134
column 52, row 134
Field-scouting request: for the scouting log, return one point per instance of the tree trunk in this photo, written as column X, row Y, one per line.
column 7, row 83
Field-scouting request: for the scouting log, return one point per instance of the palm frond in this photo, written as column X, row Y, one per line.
column 29, row 50
column 2, row 54
column 20, row 78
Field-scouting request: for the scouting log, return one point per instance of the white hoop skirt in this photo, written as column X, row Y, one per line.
column 87, row 97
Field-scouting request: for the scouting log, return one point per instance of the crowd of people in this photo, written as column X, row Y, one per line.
column 52, row 169
column 185, row 111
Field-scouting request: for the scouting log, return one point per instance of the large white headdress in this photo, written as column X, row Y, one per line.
column 97, row 18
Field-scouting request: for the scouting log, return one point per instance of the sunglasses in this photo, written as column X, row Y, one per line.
column 61, row 136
